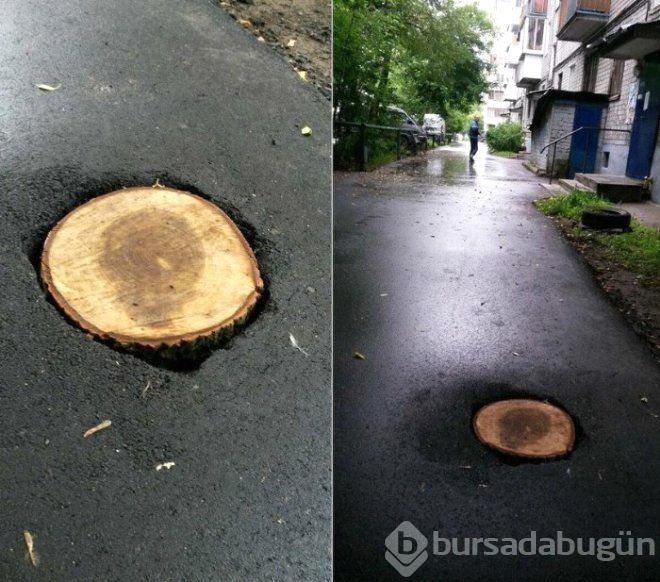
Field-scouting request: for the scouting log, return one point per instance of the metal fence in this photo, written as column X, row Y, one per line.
column 355, row 144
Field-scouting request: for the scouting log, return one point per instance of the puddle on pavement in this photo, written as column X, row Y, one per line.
column 452, row 166
column 448, row 168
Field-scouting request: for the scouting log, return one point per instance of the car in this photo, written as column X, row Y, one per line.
column 413, row 134
column 434, row 126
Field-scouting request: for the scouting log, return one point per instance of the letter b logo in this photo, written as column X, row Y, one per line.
column 406, row 549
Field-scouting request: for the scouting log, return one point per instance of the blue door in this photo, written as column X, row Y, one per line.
column 645, row 125
column 584, row 144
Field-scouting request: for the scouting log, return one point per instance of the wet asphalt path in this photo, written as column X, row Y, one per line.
column 176, row 91
column 458, row 292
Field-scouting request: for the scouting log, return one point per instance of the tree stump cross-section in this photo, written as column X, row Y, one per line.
column 151, row 268
column 525, row 428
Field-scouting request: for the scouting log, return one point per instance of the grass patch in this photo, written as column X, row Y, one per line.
column 379, row 159
column 570, row 205
column 505, row 154
column 637, row 251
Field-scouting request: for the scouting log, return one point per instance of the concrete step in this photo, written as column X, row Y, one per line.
column 614, row 188
column 552, row 189
column 569, row 185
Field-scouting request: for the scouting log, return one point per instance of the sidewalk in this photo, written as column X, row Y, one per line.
column 458, row 292
column 647, row 212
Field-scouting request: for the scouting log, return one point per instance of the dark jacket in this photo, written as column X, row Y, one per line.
column 474, row 129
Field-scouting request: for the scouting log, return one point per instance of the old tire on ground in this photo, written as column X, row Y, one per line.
column 606, row 218
column 155, row 269
column 525, row 428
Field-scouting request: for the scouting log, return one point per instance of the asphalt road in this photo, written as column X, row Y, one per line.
column 459, row 292
column 175, row 91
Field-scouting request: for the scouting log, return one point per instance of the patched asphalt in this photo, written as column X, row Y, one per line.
column 174, row 91
column 458, row 292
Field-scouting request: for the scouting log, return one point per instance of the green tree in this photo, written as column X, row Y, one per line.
column 426, row 56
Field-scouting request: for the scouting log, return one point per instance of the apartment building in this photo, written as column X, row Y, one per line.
column 595, row 65
column 503, row 91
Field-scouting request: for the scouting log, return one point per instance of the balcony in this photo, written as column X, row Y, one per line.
column 529, row 71
column 511, row 93
column 579, row 20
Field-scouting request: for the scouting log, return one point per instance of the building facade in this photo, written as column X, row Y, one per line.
column 595, row 65
column 503, row 91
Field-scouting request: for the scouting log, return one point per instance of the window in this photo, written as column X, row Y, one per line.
column 616, row 79
column 538, row 6
column 560, row 78
column 590, row 73
column 535, row 28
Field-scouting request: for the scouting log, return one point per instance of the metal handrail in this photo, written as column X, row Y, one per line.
column 586, row 150
column 546, row 146
column 366, row 125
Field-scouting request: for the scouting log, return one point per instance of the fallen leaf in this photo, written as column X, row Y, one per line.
column 295, row 344
column 303, row 75
column 644, row 399
column 167, row 465
column 359, row 356
column 245, row 23
column 306, row 130
column 29, row 542
column 101, row 426
column 261, row 39
column 291, row 43
column 145, row 389
column 516, row 354
column 48, row 88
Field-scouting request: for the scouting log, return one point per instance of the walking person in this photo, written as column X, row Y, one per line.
column 474, row 137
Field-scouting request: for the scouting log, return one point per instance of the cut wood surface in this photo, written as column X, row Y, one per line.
column 151, row 267
column 525, row 428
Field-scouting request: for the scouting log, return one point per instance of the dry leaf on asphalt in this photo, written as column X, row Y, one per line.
column 245, row 23
column 303, row 75
column 101, row 426
column 167, row 465
column 306, row 130
column 31, row 552
column 291, row 43
column 359, row 356
column 294, row 343
column 48, row 88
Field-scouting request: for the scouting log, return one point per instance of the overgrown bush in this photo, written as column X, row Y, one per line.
column 506, row 137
